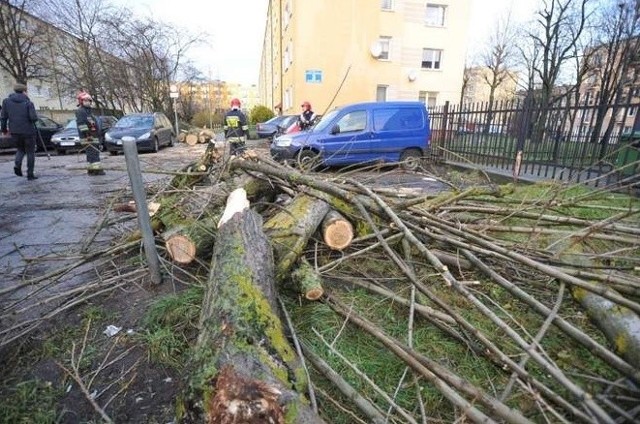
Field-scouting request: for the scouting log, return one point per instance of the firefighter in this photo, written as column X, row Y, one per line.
column 236, row 128
column 89, row 133
column 307, row 117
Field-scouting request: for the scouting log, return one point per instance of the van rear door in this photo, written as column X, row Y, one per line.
column 397, row 128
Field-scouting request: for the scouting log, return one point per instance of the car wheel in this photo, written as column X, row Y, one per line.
column 411, row 159
column 171, row 140
column 308, row 160
column 156, row 145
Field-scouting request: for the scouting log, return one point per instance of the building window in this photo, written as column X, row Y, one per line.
column 381, row 93
column 288, row 56
column 631, row 111
column 288, row 98
column 435, row 15
column 386, row 4
column 286, row 18
column 432, row 99
column 385, row 45
column 422, row 97
column 431, row 58
column 313, row 76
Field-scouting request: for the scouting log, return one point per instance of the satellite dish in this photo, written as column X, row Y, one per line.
column 375, row 49
column 412, row 75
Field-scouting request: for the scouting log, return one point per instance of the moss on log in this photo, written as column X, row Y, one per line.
column 307, row 280
column 619, row 324
column 244, row 357
column 291, row 229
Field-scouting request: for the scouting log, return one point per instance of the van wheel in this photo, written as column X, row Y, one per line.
column 308, row 160
column 411, row 159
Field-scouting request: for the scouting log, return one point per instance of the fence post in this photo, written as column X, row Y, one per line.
column 135, row 176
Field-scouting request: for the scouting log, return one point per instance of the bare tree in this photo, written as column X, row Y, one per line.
column 155, row 54
column 554, row 41
column 613, row 65
column 22, row 47
column 497, row 60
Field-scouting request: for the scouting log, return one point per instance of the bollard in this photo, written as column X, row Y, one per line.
column 140, row 197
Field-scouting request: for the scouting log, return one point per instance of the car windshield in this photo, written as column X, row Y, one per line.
column 135, row 121
column 71, row 125
column 325, row 120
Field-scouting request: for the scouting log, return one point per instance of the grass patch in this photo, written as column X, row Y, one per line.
column 170, row 325
column 30, row 402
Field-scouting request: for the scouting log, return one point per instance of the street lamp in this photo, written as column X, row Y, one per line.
column 173, row 93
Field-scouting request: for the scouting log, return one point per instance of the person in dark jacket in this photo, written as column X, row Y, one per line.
column 20, row 112
column 236, row 128
column 89, row 131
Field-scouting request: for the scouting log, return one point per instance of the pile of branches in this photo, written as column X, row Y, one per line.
column 266, row 228
column 276, row 243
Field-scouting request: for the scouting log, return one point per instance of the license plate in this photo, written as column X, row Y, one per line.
column 119, row 142
column 67, row 143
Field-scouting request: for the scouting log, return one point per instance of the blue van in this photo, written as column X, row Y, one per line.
column 359, row 133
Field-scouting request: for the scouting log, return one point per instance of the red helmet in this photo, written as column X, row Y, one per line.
column 82, row 96
column 306, row 105
column 235, row 102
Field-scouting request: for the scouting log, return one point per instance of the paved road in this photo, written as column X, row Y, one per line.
column 47, row 223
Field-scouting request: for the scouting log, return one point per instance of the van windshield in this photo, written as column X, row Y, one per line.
column 326, row 120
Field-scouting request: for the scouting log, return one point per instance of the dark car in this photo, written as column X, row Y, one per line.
column 151, row 131
column 270, row 128
column 68, row 138
column 46, row 128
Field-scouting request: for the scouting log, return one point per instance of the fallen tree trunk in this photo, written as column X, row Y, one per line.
column 248, row 372
column 620, row 325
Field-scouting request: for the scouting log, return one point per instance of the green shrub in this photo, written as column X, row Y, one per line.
column 260, row 113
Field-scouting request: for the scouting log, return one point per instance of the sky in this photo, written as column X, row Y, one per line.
column 235, row 29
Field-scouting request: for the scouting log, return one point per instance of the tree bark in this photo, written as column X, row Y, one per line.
column 308, row 281
column 291, row 229
column 620, row 325
column 249, row 372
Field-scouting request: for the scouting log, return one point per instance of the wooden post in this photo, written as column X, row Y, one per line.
column 135, row 176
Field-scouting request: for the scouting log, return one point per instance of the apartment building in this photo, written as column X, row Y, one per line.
column 477, row 88
column 333, row 52
column 614, row 70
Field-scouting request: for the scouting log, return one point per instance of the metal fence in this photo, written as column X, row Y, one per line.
column 572, row 139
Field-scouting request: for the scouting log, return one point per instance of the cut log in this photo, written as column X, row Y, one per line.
column 247, row 369
column 181, row 137
column 191, row 139
column 337, row 231
column 308, row 281
column 185, row 243
column 291, row 229
column 190, row 218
